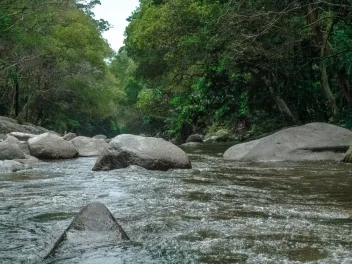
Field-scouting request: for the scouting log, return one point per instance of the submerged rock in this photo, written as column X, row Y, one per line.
column 147, row 152
column 93, row 225
column 314, row 141
column 191, row 144
column 88, row 147
column 51, row 146
column 10, row 166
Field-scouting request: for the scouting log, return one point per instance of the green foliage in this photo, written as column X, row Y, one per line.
column 217, row 62
column 56, row 52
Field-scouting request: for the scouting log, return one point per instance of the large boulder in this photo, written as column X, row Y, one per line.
column 7, row 166
column 94, row 225
column 51, row 146
column 315, row 141
column 10, row 151
column 147, row 152
column 88, row 147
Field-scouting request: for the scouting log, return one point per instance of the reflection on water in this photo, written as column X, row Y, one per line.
column 218, row 212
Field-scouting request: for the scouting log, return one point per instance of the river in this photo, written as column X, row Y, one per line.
column 218, row 212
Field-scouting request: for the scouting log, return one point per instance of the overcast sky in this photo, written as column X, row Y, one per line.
column 116, row 12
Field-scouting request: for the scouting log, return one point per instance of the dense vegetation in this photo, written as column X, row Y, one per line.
column 195, row 65
column 187, row 65
column 52, row 66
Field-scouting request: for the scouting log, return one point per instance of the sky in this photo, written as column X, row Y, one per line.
column 115, row 12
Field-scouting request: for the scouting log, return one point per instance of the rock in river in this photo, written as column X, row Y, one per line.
column 10, row 151
column 51, row 146
column 311, row 142
column 94, row 225
column 147, row 152
column 10, row 166
column 88, row 147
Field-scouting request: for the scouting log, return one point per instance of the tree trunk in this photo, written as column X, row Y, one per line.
column 17, row 88
column 320, row 39
column 284, row 109
column 327, row 90
column 282, row 105
column 344, row 86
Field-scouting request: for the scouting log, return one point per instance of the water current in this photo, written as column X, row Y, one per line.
column 217, row 212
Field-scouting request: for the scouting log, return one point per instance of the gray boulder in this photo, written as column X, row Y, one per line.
column 100, row 137
column 147, row 152
column 23, row 146
column 8, row 125
column 194, row 138
column 10, row 151
column 315, row 141
column 94, row 225
column 22, row 136
column 69, row 136
column 88, row 147
column 11, row 140
column 7, row 166
column 51, row 146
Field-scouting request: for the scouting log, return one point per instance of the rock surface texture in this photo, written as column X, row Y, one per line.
column 51, row 146
column 69, row 136
column 88, row 147
column 10, row 151
column 22, row 136
column 311, row 142
column 93, row 225
column 147, row 152
column 8, row 125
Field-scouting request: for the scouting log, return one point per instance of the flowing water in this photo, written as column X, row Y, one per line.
column 218, row 212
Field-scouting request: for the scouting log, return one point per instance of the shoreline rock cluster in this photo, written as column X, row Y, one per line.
column 19, row 149
column 310, row 142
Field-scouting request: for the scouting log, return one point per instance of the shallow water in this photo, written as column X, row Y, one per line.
column 218, row 212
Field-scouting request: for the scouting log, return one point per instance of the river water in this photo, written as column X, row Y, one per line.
column 218, row 212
